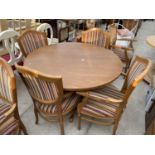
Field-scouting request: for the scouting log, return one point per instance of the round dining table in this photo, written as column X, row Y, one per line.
column 82, row 66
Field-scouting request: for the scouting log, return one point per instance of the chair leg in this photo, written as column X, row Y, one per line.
column 21, row 124
column 23, row 128
column 79, row 121
column 62, row 125
column 36, row 114
column 115, row 128
column 71, row 117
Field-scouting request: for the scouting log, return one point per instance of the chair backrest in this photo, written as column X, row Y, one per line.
column 7, row 83
column 42, row 88
column 136, row 73
column 46, row 28
column 8, row 38
column 112, row 29
column 31, row 40
column 96, row 36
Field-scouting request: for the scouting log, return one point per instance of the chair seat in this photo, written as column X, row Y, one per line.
column 121, row 54
column 103, row 109
column 68, row 104
column 9, row 127
column 108, row 91
column 99, row 109
column 52, row 41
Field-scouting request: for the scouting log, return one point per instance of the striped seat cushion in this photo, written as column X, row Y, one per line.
column 68, row 104
column 121, row 54
column 99, row 109
column 108, row 91
column 9, row 127
column 3, row 109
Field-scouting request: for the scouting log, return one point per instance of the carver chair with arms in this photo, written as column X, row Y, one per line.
column 10, row 122
column 105, row 105
column 48, row 96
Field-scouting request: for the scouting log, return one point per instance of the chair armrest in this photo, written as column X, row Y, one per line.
column 6, row 115
column 100, row 99
column 127, row 39
column 123, row 74
column 121, row 47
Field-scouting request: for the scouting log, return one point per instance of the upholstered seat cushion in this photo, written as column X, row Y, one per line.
column 9, row 127
column 68, row 104
column 103, row 109
column 121, row 54
column 99, row 109
column 108, row 91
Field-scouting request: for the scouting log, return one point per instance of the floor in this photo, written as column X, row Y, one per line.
column 133, row 118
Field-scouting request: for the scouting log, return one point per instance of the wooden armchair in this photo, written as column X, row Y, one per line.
column 10, row 122
column 96, row 36
column 48, row 96
column 105, row 106
column 122, row 47
column 31, row 40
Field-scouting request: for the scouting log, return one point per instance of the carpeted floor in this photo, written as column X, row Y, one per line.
column 133, row 118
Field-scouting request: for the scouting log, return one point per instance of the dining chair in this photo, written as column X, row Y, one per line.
column 10, row 122
column 49, row 100
column 106, row 105
column 8, row 39
column 96, row 36
column 47, row 28
column 31, row 40
column 122, row 47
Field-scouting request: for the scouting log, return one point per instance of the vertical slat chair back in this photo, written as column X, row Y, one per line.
column 96, row 36
column 42, row 88
column 8, row 37
column 112, row 29
column 32, row 40
column 136, row 73
column 7, row 83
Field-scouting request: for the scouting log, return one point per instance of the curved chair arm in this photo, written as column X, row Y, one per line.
column 121, row 47
column 100, row 99
column 6, row 115
column 127, row 39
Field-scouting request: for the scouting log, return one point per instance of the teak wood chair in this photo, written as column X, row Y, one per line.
column 31, row 40
column 10, row 122
column 121, row 46
column 96, row 36
column 48, row 96
column 105, row 106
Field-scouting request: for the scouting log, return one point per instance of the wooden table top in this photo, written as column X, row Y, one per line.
column 82, row 66
column 151, row 40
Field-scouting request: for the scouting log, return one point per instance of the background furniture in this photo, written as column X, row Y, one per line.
column 150, row 121
column 46, row 28
column 82, row 66
column 8, row 38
